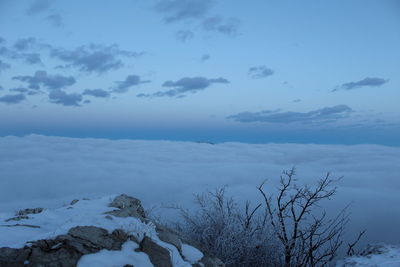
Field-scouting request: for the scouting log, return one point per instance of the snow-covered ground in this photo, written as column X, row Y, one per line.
column 51, row 223
column 39, row 171
column 379, row 255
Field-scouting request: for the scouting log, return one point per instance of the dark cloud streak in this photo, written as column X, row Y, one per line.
column 323, row 115
column 366, row 82
column 96, row 92
column 12, row 99
column 131, row 80
column 185, row 85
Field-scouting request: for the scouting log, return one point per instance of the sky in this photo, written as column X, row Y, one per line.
column 202, row 70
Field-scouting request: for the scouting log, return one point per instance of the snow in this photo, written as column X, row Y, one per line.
column 108, row 258
column 388, row 257
column 54, row 222
column 191, row 254
column 40, row 171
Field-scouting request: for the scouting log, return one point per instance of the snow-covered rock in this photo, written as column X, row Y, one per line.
column 374, row 256
column 110, row 231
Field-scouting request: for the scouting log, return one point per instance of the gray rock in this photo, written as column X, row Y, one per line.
column 158, row 255
column 98, row 237
column 73, row 202
column 127, row 205
column 10, row 257
column 29, row 211
column 18, row 218
column 124, row 213
column 64, row 250
column 169, row 236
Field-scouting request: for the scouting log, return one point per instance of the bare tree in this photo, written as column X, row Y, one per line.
column 291, row 229
column 307, row 238
column 238, row 237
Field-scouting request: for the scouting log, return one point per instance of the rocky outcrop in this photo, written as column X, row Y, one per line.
column 64, row 250
column 127, row 207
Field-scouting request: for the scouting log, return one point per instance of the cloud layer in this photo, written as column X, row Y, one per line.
column 40, row 171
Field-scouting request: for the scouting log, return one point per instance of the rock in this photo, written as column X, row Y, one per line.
column 127, row 207
column 169, row 236
column 29, row 211
column 18, row 218
column 10, row 257
column 64, row 250
column 124, row 213
column 158, row 255
column 19, row 224
column 73, row 202
column 98, row 237
column 22, row 214
column 375, row 249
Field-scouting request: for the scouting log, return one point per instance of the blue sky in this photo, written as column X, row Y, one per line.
column 209, row 70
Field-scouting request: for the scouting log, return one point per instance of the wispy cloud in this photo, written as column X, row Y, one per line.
column 38, row 6
column 18, row 52
column 205, row 57
column 197, row 13
column 4, row 66
column 130, row 80
column 260, row 72
column 178, row 10
column 45, row 6
column 96, row 92
column 323, row 115
column 12, row 99
column 55, row 19
column 224, row 26
column 366, row 82
column 24, row 43
column 184, row 35
column 185, row 85
column 41, row 78
column 24, row 90
column 93, row 58
column 62, row 98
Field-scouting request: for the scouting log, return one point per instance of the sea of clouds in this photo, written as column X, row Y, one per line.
column 51, row 171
